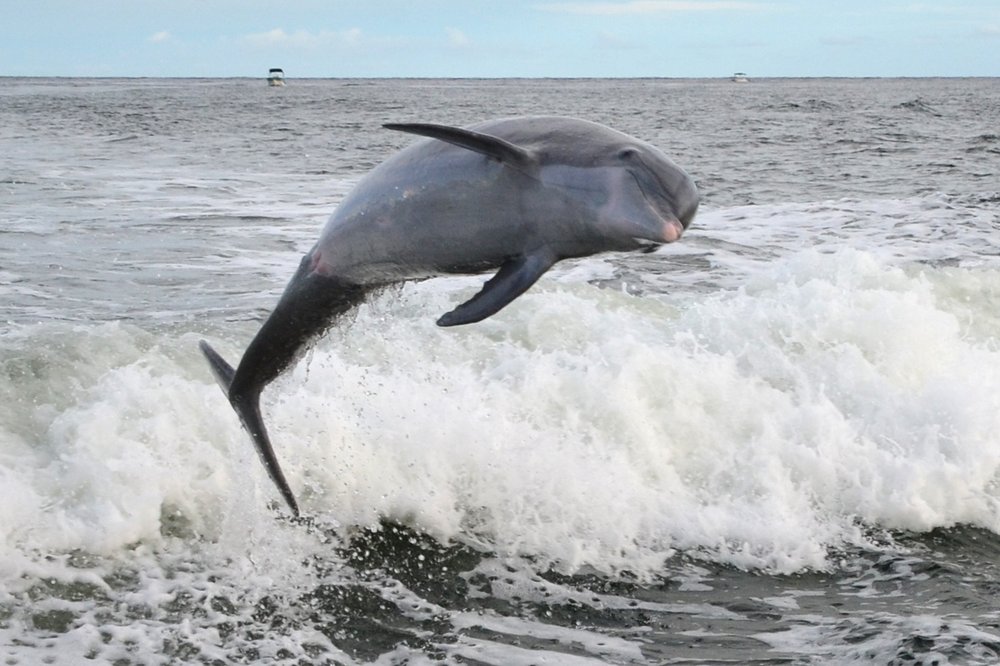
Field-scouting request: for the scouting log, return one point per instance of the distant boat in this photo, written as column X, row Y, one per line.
column 275, row 77
column 741, row 77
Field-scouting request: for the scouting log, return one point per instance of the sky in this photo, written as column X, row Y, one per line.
column 509, row 38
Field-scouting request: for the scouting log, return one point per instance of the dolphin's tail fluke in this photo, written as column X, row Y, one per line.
column 248, row 409
column 220, row 367
column 306, row 308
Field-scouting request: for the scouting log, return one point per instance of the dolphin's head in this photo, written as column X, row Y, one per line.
column 652, row 200
column 637, row 197
column 624, row 193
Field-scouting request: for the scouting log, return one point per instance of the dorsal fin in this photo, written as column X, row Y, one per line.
column 495, row 147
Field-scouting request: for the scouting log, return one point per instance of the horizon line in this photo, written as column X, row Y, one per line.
column 498, row 78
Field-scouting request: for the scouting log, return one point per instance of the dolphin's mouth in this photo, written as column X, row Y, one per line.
column 670, row 232
column 646, row 246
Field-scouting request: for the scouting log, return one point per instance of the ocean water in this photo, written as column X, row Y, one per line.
column 774, row 442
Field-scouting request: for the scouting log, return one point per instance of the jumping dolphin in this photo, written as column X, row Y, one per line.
column 517, row 194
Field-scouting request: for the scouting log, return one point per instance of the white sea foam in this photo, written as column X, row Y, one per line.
column 763, row 427
column 760, row 426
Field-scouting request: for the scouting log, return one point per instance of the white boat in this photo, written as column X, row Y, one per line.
column 741, row 77
column 275, row 77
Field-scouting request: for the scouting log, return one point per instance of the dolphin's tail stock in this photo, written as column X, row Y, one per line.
column 308, row 306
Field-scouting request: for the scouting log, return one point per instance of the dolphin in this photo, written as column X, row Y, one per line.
column 513, row 195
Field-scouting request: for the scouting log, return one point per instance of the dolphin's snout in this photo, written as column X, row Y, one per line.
column 672, row 230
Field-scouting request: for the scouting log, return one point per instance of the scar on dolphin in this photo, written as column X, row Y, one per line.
column 514, row 195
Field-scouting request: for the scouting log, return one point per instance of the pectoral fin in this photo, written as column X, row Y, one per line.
column 513, row 279
column 491, row 146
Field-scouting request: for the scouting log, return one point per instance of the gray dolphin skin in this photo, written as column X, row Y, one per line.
column 514, row 195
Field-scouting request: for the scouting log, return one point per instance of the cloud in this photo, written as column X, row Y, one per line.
column 936, row 8
column 303, row 38
column 457, row 38
column 649, row 7
column 845, row 40
column 615, row 41
column 159, row 37
column 992, row 31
